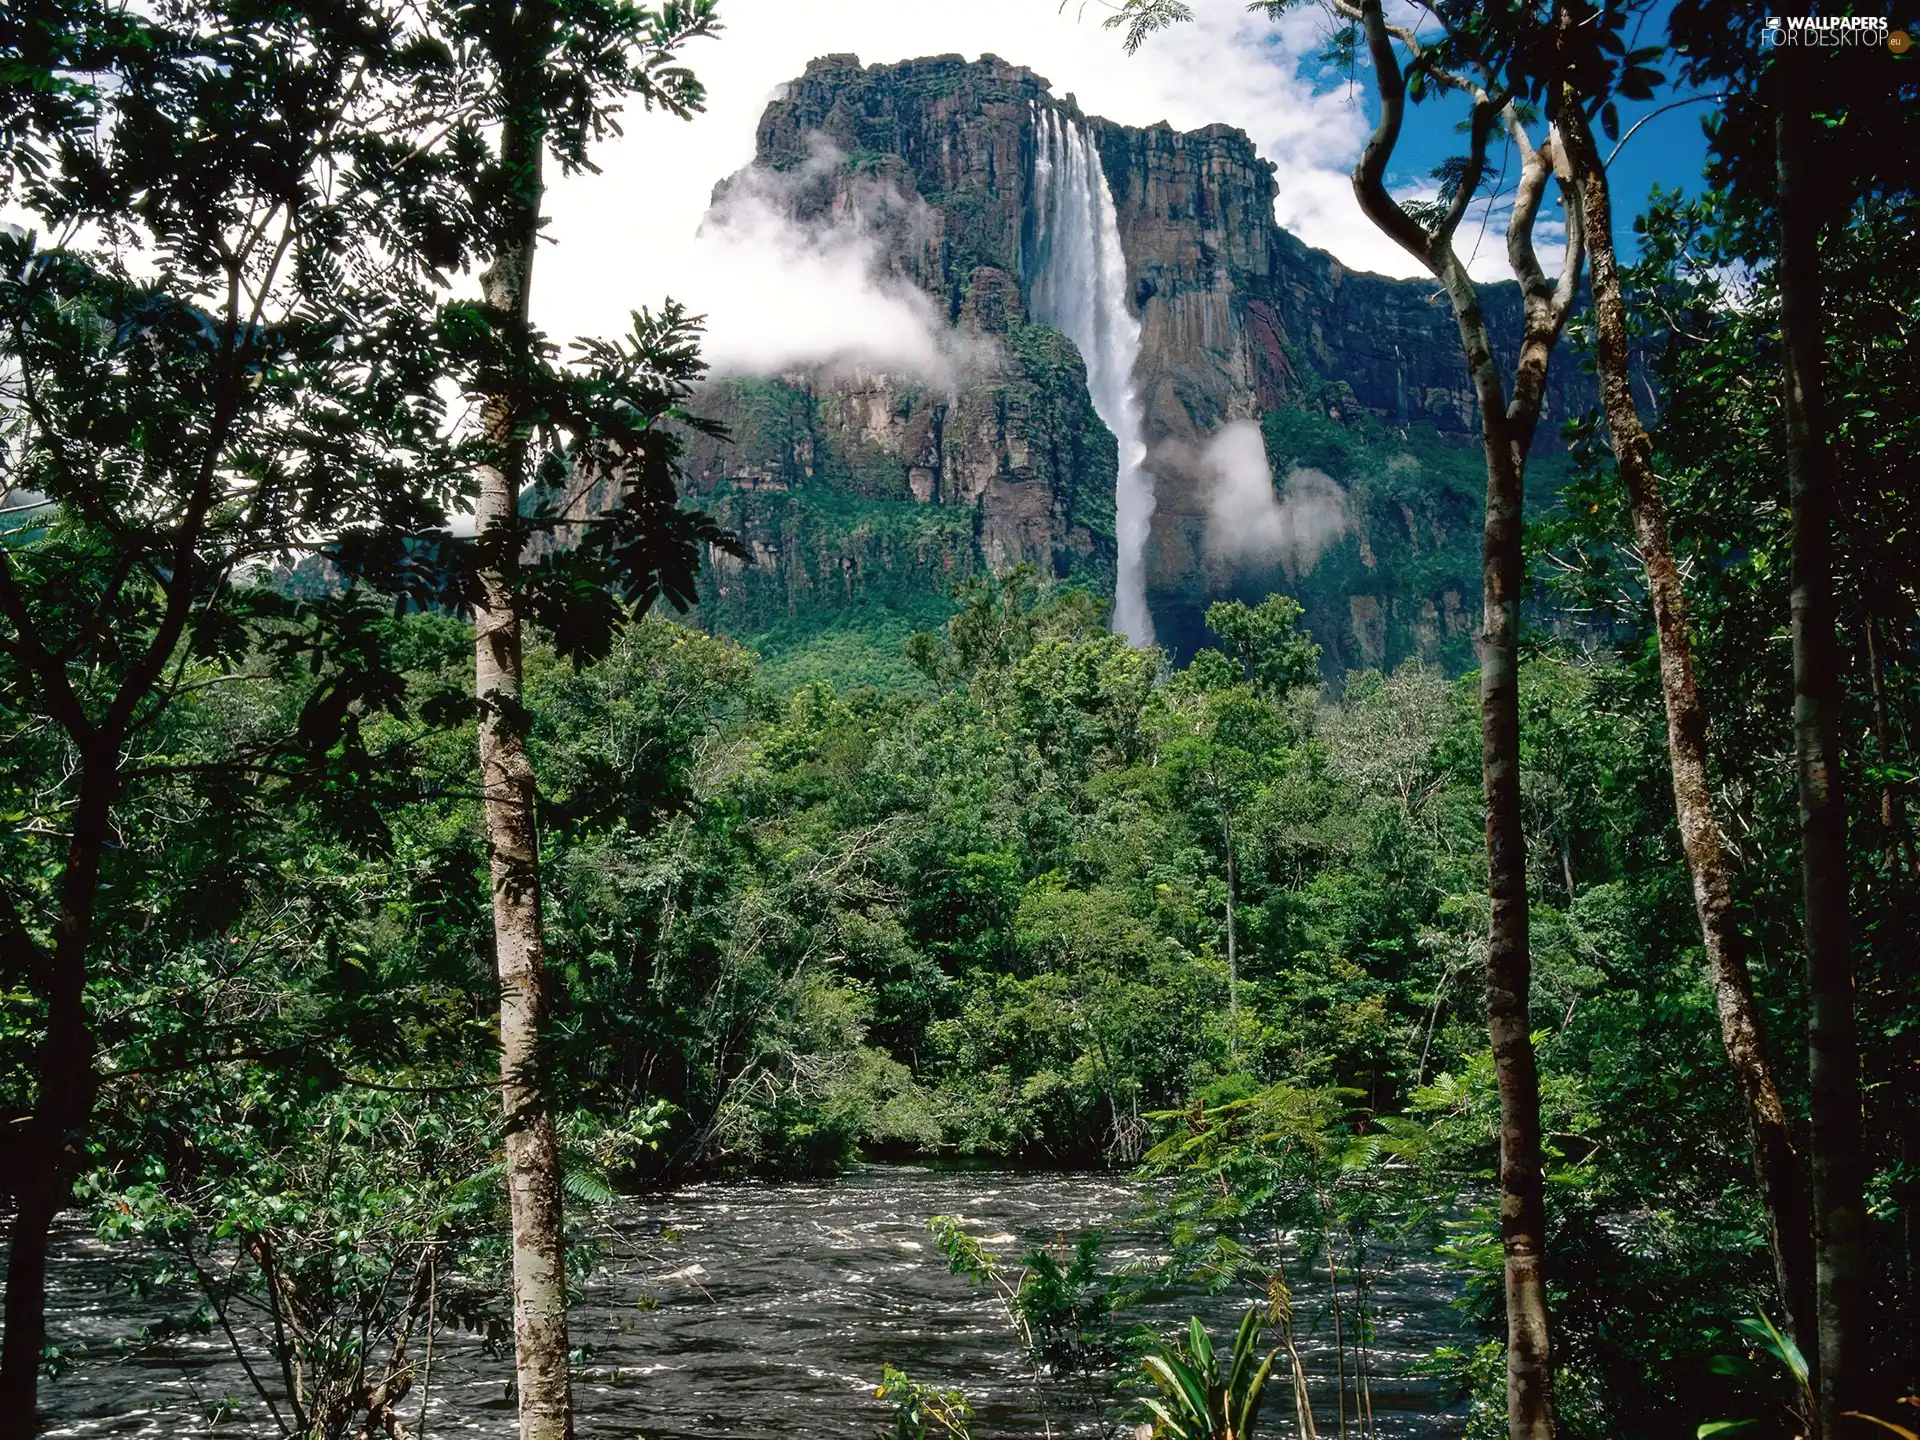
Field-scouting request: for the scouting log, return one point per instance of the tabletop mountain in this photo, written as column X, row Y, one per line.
column 864, row 492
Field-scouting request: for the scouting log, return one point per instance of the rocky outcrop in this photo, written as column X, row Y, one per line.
column 853, row 485
column 1238, row 317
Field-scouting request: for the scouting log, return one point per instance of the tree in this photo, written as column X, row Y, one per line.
column 1222, row 737
column 1776, row 1163
column 305, row 181
column 1474, row 57
column 1833, row 1046
column 1701, row 303
column 554, row 74
column 1593, row 66
column 1216, row 744
column 274, row 387
column 1274, row 657
column 1809, row 135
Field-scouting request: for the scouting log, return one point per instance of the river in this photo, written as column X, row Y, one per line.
column 764, row 1310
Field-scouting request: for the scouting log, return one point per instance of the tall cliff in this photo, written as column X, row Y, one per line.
column 850, row 485
column 853, row 487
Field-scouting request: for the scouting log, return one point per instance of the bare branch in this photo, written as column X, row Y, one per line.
column 1535, row 167
column 1485, row 113
column 1569, row 286
column 1369, row 176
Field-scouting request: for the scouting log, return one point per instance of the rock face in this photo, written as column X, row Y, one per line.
column 852, row 486
column 852, row 482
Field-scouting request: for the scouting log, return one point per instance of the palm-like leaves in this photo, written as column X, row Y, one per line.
column 1198, row 1402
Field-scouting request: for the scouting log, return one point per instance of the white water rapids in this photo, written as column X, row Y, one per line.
column 746, row 1309
column 1080, row 288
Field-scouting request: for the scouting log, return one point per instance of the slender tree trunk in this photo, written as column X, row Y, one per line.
column 1339, row 1335
column 513, row 848
column 1233, row 951
column 1523, row 1222
column 1507, row 429
column 1776, row 1165
column 44, row 1181
column 1506, row 432
column 1834, row 1137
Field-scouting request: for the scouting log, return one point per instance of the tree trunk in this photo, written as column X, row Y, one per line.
column 1776, row 1165
column 1834, row 1136
column 513, row 848
column 1523, row 1222
column 1233, row 950
column 44, row 1181
column 1507, row 430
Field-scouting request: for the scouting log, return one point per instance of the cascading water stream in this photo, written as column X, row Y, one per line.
column 1080, row 288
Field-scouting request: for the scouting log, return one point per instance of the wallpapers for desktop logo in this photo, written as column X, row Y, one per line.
column 1834, row 31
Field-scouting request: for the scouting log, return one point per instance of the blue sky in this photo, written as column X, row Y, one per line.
column 1668, row 150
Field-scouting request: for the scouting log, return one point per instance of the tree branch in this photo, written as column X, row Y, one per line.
column 1485, row 113
column 63, row 704
column 1369, row 176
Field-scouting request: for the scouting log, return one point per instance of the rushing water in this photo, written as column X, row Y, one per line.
column 1080, row 288
column 765, row 1310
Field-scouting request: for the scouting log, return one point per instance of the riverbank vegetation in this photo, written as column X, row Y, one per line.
column 1019, row 894
column 795, row 929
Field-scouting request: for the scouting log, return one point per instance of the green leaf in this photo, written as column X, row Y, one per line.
column 1249, row 1412
column 1166, row 1418
column 1762, row 1328
column 1243, row 1349
column 1199, row 1346
column 1180, row 1383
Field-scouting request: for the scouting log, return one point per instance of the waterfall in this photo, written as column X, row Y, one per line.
column 1080, row 288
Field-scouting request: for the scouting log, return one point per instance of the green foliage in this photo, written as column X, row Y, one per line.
column 1201, row 1400
column 1065, row 1309
column 1034, row 895
column 1764, row 1336
column 276, row 397
column 862, row 644
column 323, row 1235
column 919, row 1411
column 990, row 919
column 1704, row 303
column 1061, row 1307
column 1142, row 18
column 1274, row 658
column 1061, row 1311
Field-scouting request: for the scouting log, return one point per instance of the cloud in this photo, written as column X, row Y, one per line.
column 794, row 271
column 626, row 236
column 1247, row 523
